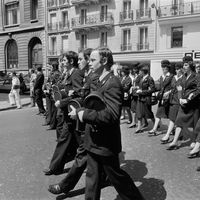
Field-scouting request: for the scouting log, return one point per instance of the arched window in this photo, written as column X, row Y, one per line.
column 12, row 54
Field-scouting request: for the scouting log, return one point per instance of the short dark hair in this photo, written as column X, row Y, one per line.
column 105, row 52
column 86, row 53
column 178, row 65
column 54, row 65
column 71, row 55
column 14, row 73
column 39, row 69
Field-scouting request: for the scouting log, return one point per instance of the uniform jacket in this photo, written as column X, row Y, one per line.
column 102, row 132
column 164, row 85
column 147, row 86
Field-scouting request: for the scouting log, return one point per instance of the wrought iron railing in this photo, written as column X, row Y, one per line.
column 52, row 27
column 143, row 13
column 126, row 16
column 64, row 25
column 51, row 3
column 180, row 9
column 142, row 46
column 63, row 2
column 52, row 53
column 96, row 20
column 126, row 47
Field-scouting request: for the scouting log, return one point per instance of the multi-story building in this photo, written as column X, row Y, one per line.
column 58, row 28
column 22, row 34
column 177, row 31
column 127, row 27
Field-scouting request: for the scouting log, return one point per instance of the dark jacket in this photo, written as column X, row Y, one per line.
column 102, row 133
column 164, row 86
column 148, row 87
column 39, row 81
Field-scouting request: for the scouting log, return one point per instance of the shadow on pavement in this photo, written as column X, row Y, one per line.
column 151, row 188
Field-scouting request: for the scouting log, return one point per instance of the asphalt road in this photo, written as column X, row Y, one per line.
column 26, row 149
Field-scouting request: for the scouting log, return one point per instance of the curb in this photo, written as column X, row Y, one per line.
column 13, row 107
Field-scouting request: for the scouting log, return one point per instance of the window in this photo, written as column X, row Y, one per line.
column 83, row 16
column 12, row 14
column 83, row 41
column 126, row 45
column 65, row 19
column 34, row 9
column 104, row 13
column 12, row 54
column 65, row 43
column 143, row 40
column 53, row 21
column 103, row 39
column 127, row 10
column 53, row 46
column 143, row 8
column 177, row 37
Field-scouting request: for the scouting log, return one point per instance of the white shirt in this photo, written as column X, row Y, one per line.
column 15, row 81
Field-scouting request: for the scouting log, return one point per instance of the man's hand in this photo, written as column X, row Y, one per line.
column 57, row 104
column 183, row 101
column 138, row 91
column 72, row 114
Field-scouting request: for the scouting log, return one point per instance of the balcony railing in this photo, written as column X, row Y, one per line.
column 142, row 46
column 52, row 53
column 63, row 2
column 83, row 1
column 180, row 9
column 126, row 16
column 51, row 3
column 82, row 48
column 92, row 20
column 52, row 27
column 143, row 14
column 64, row 25
column 126, row 47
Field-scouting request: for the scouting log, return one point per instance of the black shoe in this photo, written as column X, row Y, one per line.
column 49, row 129
column 46, row 124
column 39, row 113
column 55, row 189
column 152, row 133
column 173, row 147
column 193, row 155
column 138, row 131
column 48, row 172
column 132, row 126
column 164, row 141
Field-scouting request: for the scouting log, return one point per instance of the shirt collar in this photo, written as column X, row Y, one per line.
column 144, row 77
column 103, row 75
column 167, row 74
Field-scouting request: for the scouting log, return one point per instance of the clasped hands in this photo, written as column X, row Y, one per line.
column 73, row 114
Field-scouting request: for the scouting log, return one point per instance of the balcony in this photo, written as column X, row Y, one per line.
column 87, row 2
column 143, row 46
column 51, row 3
column 143, row 15
column 93, row 21
column 64, row 26
column 186, row 9
column 126, row 47
column 52, row 27
column 52, row 53
column 126, row 17
column 64, row 3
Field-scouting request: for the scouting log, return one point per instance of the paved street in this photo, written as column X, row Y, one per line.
column 26, row 148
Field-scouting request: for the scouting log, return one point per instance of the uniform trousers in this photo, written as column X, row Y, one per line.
column 39, row 100
column 48, row 108
column 65, row 149
column 118, row 178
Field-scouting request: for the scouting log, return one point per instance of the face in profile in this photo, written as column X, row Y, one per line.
column 81, row 61
column 65, row 62
column 94, row 60
column 186, row 67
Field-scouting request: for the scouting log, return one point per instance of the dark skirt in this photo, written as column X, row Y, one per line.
column 143, row 110
column 127, row 103
column 187, row 118
column 133, row 104
column 173, row 111
column 162, row 111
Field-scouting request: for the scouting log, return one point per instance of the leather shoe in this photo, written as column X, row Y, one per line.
column 48, row 172
column 48, row 129
column 55, row 189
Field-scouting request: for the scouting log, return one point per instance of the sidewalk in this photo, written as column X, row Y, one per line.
column 4, row 105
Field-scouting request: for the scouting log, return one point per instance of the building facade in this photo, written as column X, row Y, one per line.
column 22, row 34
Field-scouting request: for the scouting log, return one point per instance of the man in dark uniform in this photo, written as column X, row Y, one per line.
column 103, row 143
column 67, row 143
column 80, row 163
column 38, row 90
